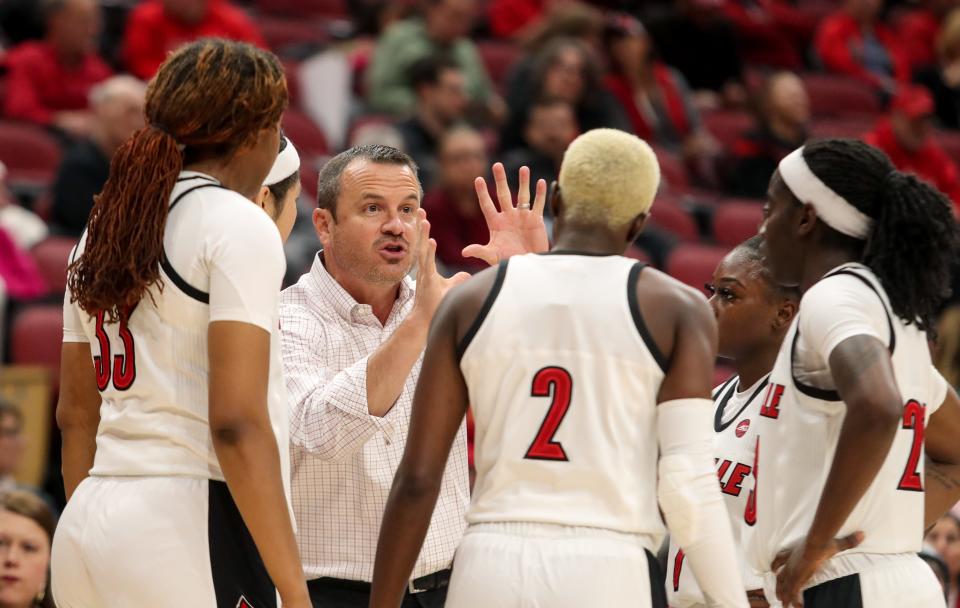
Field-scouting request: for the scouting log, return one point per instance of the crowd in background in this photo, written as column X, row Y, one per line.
column 723, row 89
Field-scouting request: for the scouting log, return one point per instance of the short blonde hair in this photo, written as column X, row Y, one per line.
column 608, row 177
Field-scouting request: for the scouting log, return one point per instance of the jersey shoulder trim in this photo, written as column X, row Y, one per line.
column 825, row 394
column 177, row 279
column 634, row 305
column 484, row 310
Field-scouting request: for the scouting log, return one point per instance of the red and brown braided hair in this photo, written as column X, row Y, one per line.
column 209, row 99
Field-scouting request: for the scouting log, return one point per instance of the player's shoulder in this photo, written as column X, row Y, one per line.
column 658, row 288
column 227, row 212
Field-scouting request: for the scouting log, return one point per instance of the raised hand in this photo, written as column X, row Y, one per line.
column 513, row 230
column 431, row 285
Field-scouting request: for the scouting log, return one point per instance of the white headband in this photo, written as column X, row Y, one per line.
column 287, row 163
column 832, row 208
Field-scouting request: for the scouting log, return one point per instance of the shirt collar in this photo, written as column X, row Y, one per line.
column 343, row 303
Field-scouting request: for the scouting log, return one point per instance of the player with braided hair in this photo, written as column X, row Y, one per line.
column 854, row 402
column 172, row 405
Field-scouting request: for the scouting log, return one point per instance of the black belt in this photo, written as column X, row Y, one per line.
column 430, row 582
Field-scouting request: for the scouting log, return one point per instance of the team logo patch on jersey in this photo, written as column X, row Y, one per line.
column 243, row 603
column 742, row 428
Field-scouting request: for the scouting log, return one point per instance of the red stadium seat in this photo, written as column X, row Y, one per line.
column 31, row 154
column 672, row 170
column 35, row 338
column 305, row 134
column 852, row 127
column 736, row 220
column 498, row 57
column 52, row 257
column 303, row 8
column 292, row 71
column 728, row 125
column 837, row 96
column 694, row 264
column 675, row 220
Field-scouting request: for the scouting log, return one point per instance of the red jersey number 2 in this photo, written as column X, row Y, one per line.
column 121, row 368
column 553, row 382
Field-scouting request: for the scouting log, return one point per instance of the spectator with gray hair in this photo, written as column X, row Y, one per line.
column 353, row 331
column 117, row 106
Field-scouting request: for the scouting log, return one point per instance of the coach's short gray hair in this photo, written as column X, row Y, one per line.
column 328, row 184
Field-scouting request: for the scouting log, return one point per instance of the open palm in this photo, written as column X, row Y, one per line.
column 513, row 229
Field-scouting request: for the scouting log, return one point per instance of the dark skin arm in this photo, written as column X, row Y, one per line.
column 863, row 374
column 439, row 406
column 78, row 413
column 942, row 444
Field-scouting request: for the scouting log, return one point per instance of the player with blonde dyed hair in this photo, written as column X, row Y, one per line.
column 589, row 377
column 590, row 192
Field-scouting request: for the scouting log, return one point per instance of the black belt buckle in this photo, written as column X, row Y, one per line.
column 430, row 582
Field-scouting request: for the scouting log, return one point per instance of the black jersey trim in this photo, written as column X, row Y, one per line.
column 178, row 280
column 484, row 310
column 718, row 424
column 824, row 394
column 634, row 306
column 723, row 386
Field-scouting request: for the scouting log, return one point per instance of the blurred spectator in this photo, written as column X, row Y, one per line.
column 551, row 126
column 919, row 29
column 440, row 87
column 943, row 78
column 947, row 352
column 944, row 537
column 536, row 22
column 655, row 97
column 771, row 32
column 156, row 27
column 783, row 121
column 48, row 81
column 452, row 206
column 443, row 29
column 565, row 69
column 697, row 39
column 854, row 41
column 515, row 17
column 906, row 137
column 26, row 534
column 117, row 105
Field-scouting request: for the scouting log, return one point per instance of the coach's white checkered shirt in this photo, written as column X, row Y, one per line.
column 344, row 459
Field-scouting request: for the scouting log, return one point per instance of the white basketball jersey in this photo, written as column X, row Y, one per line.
column 801, row 415
column 563, row 381
column 152, row 370
column 736, row 431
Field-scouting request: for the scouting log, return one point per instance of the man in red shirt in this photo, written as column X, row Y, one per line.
column 48, row 81
column 905, row 136
column 156, row 27
column 854, row 41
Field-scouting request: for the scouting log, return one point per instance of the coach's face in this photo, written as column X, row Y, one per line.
column 373, row 236
column 782, row 246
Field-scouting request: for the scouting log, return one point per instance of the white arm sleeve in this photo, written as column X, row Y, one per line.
column 838, row 308
column 246, row 264
column 690, row 498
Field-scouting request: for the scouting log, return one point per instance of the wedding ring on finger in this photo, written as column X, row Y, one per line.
column 524, row 206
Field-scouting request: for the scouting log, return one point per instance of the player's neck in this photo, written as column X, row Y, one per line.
column 589, row 239
column 230, row 176
column 755, row 366
column 820, row 263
